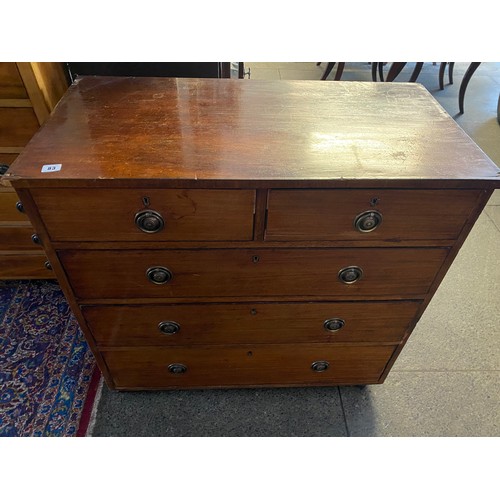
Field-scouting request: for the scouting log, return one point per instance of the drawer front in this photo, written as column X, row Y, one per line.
column 8, row 210
column 31, row 266
column 176, row 214
column 387, row 273
column 248, row 365
column 331, row 214
column 16, row 238
column 8, row 158
column 17, row 126
column 11, row 85
column 256, row 323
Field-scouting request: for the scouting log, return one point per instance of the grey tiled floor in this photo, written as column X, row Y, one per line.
column 446, row 381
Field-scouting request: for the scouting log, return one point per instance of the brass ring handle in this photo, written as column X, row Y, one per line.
column 350, row 274
column 169, row 327
column 177, row 368
column 48, row 265
column 159, row 275
column 320, row 366
column 368, row 221
column 333, row 324
column 149, row 221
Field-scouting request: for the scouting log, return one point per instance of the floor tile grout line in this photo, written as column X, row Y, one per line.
column 348, row 434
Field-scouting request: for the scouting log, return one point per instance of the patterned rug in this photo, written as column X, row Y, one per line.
column 48, row 376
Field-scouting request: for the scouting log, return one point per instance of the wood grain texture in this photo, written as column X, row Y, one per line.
column 7, row 158
column 249, row 323
column 35, row 95
column 388, row 273
column 407, row 215
column 8, row 211
column 202, row 130
column 24, row 265
column 17, row 126
column 17, row 238
column 52, row 81
column 189, row 215
column 11, row 84
column 246, row 365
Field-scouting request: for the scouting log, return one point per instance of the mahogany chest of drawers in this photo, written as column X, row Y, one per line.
column 240, row 233
column 28, row 93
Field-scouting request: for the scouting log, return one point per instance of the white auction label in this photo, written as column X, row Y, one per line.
column 52, row 168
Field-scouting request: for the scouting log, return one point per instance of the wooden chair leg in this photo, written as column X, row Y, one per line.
column 381, row 71
column 416, row 71
column 394, row 70
column 374, row 71
column 442, row 68
column 340, row 70
column 328, row 70
column 463, row 86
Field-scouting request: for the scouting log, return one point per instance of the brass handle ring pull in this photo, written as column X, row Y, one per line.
column 159, row 275
column 320, row 366
column 149, row 221
column 350, row 274
column 368, row 221
column 333, row 324
column 177, row 368
column 169, row 327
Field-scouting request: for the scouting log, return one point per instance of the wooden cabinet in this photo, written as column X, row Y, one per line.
column 28, row 93
column 234, row 233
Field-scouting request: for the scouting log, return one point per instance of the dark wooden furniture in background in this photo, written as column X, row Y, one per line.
column 237, row 233
column 396, row 67
column 28, row 93
column 158, row 69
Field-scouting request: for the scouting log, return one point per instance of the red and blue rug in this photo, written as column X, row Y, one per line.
column 48, row 376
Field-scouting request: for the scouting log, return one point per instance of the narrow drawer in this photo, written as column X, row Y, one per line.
column 386, row 273
column 170, row 214
column 24, row 266
column 11, row 84
column 367, row 215
column 8, row 211
column 17, row 126
column 16, row 238
column 256, row 323
column 249, row 365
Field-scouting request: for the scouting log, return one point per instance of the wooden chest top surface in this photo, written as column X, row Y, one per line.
column 203, row 131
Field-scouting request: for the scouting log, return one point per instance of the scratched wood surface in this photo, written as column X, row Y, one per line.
column 202, row 130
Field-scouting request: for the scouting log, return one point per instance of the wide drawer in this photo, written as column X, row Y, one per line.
column 174, row 214
column 386, row 273
column 16, row 238
column 248, row 365
column 249, row 323
column 401, row 215
column 17, row 126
